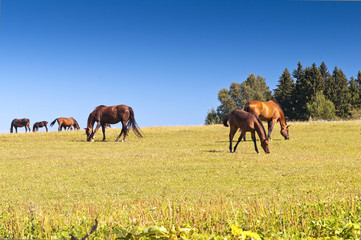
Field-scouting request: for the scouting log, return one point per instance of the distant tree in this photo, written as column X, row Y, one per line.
column 320, row 107
column 302, row 93
column 255, row 88
column 283, row 93
column 325, row 74
column 354, row 94
column 358, row 84
column 338, row 92
column 212, row 117
column 229, row 99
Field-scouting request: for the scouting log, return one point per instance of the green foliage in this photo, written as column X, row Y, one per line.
column 212, row 117
column 254, row 88
column 338, row 92
column 283, row 94
column 321, row 108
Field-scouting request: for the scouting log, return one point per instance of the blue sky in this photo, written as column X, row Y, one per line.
column 165, row 58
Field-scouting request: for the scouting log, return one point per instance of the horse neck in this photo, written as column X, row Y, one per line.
column 260, row 131
column 282, row 119
column 91, row 121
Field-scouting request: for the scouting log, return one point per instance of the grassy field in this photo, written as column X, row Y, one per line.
column 182, row 182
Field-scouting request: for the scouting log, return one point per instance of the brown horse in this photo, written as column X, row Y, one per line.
column 24, row 122
column 65, row 123
column 38, row 125
column 247, row 122
column 271, row 112
column 111, row 115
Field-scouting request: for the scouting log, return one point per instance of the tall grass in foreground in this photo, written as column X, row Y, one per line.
column 181, row 182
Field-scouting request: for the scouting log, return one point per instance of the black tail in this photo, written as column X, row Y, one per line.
column 246, row 107
column 53, row 122
column 225, row 120
column 11, row 127
column 132, row 123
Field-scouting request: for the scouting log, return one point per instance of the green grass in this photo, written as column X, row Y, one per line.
column 53, row 184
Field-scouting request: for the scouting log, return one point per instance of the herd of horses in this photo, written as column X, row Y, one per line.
column 247, row 120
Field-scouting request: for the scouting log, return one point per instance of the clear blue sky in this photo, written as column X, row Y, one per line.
column 165, row 58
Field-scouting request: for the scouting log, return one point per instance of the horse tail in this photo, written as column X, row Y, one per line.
column 246, row 107
column 77, row 125
column 132, row 123
column 225, row 119
column 53, row 122
column 12, row 126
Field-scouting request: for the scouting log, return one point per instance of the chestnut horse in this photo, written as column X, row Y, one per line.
column 65, row 123
column 24, row 122
column 38, row 125
column 247, row 122
column 271, row 112
column 111, row 115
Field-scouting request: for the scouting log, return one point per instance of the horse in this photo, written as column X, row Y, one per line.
column 24, row 122
column 271, row 112
column 65, row 123
column 111, row 115
column 247, row 122
column 38, row 125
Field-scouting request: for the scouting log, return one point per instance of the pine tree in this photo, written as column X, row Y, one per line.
column 338, row 92
column 301, row 94
column 354, row 94
column 283, row 93
column 325, row 74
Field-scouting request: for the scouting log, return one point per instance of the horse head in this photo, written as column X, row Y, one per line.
column 265, row 145
column 88, row 132
column 285, row 132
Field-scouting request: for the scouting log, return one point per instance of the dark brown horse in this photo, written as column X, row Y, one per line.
column 247, row 122
column 271, row 112
column 38, row 125
column 112, row 114
column 65, row 123
column 24, row 122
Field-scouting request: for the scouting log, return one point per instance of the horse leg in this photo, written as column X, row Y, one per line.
column 95, row 130
column 243, row 135
column 232, row 131
column 254, row 140
column 103, row 129
column 46, row 127
column 271, row 124
column 16, row 129
column 124, row 131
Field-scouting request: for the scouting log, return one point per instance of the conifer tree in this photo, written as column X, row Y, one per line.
column 301, row 93
column 325, row 74
column 354, row 94
column 338, row 92
column 283, row 93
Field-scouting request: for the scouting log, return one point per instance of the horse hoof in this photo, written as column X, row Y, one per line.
column 92, row 140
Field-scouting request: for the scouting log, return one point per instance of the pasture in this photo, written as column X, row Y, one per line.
column 182, row 182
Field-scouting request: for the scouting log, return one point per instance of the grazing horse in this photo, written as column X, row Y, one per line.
column 247, row 122
column 65, row 123
column 24, row 122
column 111, row 115
column 38, row 125
column 271, row 112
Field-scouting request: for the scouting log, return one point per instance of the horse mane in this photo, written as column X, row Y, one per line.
column 260, row 123
column 246, row 107
column 275, row 101
column 100, row 106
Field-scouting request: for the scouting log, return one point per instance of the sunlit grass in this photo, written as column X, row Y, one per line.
column 53, row 184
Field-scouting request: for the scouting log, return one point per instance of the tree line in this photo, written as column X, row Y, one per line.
column 308, row 93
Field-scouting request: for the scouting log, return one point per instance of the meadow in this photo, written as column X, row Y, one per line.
column 182, row 183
